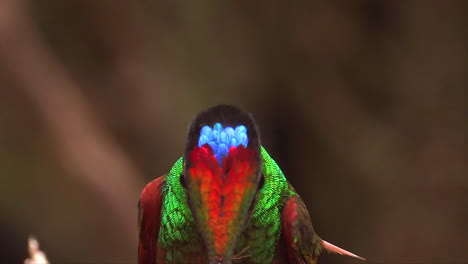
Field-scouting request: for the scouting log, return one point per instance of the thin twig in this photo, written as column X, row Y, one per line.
column 36, row 256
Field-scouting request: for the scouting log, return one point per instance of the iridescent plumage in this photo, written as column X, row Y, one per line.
column 233, row 206
column 222, row 139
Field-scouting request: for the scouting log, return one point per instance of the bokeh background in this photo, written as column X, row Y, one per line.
column 364, row 104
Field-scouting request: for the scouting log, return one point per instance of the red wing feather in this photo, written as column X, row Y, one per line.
column 302, row 244
column 149, row 218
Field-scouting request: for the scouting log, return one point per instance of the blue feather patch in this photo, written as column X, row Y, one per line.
column 222, row 139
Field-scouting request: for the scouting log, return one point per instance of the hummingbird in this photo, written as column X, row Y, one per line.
column 226, row 201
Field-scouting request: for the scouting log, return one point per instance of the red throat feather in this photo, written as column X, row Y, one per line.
column 224, row 192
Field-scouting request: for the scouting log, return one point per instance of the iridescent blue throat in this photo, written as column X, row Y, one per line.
column 222, row 139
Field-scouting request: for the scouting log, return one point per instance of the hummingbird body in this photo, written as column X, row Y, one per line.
column 258, row 241
column 226, row 201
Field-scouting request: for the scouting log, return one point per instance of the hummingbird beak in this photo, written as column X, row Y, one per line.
column 334, row 249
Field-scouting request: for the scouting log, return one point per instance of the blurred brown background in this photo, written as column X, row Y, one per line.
column 364, row 104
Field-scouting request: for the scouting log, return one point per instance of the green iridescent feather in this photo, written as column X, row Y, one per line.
column 179, row 235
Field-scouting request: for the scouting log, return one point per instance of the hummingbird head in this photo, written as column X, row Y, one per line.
column 222, row 172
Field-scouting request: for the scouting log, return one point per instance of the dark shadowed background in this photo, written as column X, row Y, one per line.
column 364, row 105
